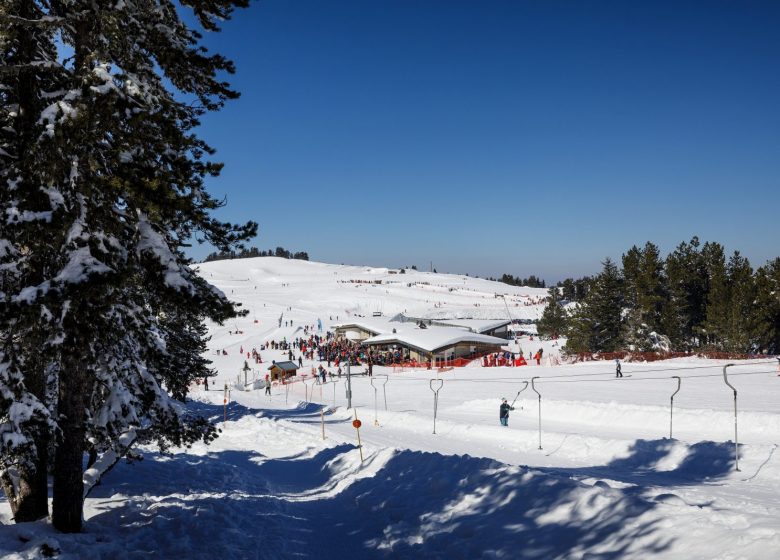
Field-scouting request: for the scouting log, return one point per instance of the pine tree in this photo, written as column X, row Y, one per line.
column 579, row 332
column 742, row 313
column 632, row 260
column 767, row 307
column 651, row 290
column 31, row 78
column 553, row 320
column 181, row 360
column 567, row 289
column 596, row 324
column 118, row 189
column 605, row 303
column 716, row 326
column 645, row 295
column 685, row 309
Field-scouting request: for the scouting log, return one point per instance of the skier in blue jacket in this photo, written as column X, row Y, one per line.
column 503, row 412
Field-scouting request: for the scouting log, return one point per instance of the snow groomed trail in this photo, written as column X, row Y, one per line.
column 270, row 487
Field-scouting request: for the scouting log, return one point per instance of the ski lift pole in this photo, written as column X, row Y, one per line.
column 376, row 389
column 518, row 394
column 671, row 403
column 736, row 441
column 540, row 409
column 349, row 385
column 435, row 398
column 384, row 385
column 376, row 418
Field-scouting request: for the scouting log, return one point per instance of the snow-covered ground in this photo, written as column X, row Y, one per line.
column 608, row 482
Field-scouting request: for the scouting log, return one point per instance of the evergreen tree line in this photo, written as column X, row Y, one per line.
column 574, row 290
column 694, row 299
column 255, row 252
column 532, row 281
column 101, row 187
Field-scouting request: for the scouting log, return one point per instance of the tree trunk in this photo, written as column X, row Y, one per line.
column 68, row 487
column 32, row 498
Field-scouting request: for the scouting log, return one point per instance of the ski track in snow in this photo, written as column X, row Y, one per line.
column 607, row 483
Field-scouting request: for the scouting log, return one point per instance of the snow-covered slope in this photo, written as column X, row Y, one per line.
column 586, row 468
column 269, row 285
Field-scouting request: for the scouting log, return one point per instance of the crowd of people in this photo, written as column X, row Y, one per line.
column 499, row 359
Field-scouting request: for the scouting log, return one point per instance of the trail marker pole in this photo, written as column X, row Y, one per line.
column 322, row 421
column 736, row 441
column 225, row 400
column 357, row 423
column 440, row 384
column 286, row 392
column 540, row 409
column 334, row 393
column 671, row 403
column 309, row 390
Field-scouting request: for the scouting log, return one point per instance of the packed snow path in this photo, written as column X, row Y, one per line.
column 270, row 487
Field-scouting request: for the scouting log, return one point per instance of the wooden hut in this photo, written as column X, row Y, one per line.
column 283, row 370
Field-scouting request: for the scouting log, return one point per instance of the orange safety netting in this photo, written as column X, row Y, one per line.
column 655, row 356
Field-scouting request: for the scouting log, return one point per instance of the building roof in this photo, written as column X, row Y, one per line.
column 432, row 339
column 285, row 366
column 377, row 325
column 474, row 325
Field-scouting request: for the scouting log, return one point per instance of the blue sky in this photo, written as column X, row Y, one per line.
column 489, row 137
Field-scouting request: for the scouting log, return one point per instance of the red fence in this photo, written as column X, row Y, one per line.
column 655, row 356
column 451, row 363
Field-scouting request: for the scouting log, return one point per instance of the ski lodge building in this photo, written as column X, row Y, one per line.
column 489, row 327
column 420, row 343
column 363, row 328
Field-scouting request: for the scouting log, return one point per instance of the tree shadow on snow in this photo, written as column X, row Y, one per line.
column 702, row 462
column 405, row 504
column 416, row 505
column 426, row 505
column 303, row 412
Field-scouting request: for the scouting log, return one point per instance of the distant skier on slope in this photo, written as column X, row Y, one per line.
column 618, row 370
column 503, row 412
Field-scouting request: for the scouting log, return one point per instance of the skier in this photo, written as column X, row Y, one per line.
column 503, row 412
column 618, row 372
column 267, row 385
column 205, row 383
